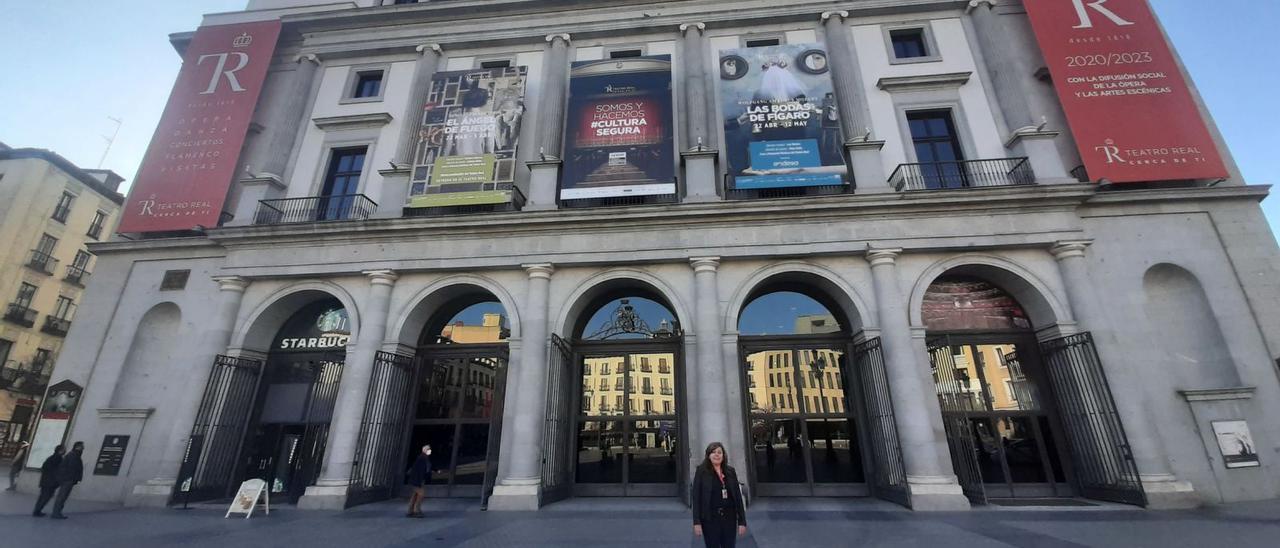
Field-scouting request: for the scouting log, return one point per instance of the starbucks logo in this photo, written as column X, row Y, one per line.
column 333, row 321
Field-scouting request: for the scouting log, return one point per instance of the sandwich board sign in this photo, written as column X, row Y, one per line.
column 247, row 497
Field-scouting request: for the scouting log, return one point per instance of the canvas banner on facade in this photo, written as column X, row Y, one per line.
column 619, row 140
column 781, row 124
column 466, row 151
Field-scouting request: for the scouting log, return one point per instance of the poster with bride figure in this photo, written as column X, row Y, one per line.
column 781, row 125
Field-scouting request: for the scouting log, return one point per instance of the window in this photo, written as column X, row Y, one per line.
column 933, row 136
column 586, row 369
column 5, row 347
column 25, row 293
column 174, row 279
column 625, row 53
column 47, row 243
column 763, row 42
column 909, row 43
column 496, row 63
column 604, row 368
column 666, row 408
column 62, row 310
column 95, row 227
column 368, row 85
column 341, row 184
column 41, row 360
column 63, row 209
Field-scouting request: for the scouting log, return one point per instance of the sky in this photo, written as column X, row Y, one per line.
column 72, row 65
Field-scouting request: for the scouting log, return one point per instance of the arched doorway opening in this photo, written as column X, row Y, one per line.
column 458, row 392
column 626, row 421
column 297, row 390
column 1005, row 437
column 804, row 413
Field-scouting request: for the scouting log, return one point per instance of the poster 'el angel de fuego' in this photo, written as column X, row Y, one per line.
column 466, row 152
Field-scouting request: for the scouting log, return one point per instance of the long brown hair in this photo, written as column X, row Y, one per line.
column 706, row 459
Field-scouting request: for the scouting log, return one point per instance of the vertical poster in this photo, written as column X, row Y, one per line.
column 55, row 417
column 189, row 166
column 781, row 124
column 1110, row 62
column 1235, row 442
column 619, row 140
column 466, row 153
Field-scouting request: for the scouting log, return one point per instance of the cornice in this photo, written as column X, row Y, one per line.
column 352, row 121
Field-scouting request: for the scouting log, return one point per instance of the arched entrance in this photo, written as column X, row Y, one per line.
column 1002, row 428
column 297, row 390
column 804, row 412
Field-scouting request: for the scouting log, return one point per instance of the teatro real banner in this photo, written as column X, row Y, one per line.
column 466, row 153
column 190, row 164
column 781, row 124
column 1133, row 116
column 619, row 139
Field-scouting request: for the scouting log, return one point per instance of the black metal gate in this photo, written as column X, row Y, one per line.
column 889, row 476
column 557, row 444
column 376, row 473
column 209, row 465
column 1101, row 458
column 957, row 402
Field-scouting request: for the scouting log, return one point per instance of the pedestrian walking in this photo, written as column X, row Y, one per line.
column 69, row 474
column 719, row 515
column 48, row 480
column 419, row 476
column 15, row 467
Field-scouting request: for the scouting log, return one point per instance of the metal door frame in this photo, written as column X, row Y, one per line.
column 375, row 471
column 219, row 395
column 558, row 437
column 887, row 469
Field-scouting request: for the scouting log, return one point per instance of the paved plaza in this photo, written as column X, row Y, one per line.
column 611, row 522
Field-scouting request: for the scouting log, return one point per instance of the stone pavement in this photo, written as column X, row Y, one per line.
column 644, row 522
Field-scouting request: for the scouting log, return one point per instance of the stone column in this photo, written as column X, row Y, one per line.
column 713, row 417
column 1164, row 490
column 855, row 115
column 930, row 478
column 213, row 341
column 1023, row 102
column 330, row 491
column 423, row 69
column 545, row 171
column 699, row 156
column 521, row 488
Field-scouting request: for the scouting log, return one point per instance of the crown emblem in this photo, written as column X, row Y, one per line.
column 242, row 41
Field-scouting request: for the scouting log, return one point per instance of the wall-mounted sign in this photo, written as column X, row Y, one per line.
column 111, row 455
column 781, row 124
column 1131, row 112
column 319, row 326
column 619, row 140
column 188, row 168
column 60, row 405
column 1236, row 444
column 466, row 153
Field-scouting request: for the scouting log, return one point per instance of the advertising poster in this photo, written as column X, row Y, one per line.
column 189, row 166
column 619, row 137
column 466, row 153
column 1236, row 444
column 781, row 124
column 1109, row 62
column 55, row 417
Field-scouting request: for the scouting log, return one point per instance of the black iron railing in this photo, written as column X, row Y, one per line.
column 76, row 275
column 20, row 314
column 56, row 326
column 14, row 378
column 41, row 261
column 962, row 174
column 346, row 207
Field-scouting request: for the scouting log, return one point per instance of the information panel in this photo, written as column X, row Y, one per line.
column 189, row 166
column 781, row 124
column 619, row 140
column 111, row 455
column 1132, row 114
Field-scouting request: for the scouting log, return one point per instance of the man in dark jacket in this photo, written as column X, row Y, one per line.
column 69, row 474
column 48, row 479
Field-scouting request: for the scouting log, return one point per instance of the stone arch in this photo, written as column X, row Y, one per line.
column 1185, row 328
column 156, row 345
column 832, row 284
column 412, row 318
column 1043, row 306
column 600, row 283
column 266, row 319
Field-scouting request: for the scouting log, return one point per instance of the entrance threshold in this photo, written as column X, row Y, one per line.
column 624, row 504
column 1060, row 504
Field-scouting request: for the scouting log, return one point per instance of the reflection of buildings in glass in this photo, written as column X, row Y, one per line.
column 989, row 377
column 492, row 329
column 652, row 392
column 479, row 372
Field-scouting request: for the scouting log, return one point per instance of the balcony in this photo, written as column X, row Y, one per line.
column 41, row 261
column 962, row 174
column 664, row 369
column 347, row 207
column 20, row 314
column 667, row 391
column 76, row 275
column 24, row 381
column 56, row 326
column 648, row 390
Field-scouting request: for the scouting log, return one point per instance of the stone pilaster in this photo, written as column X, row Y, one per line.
column 545, row 170
column 713, row 419
column 699, row 157
column 855, row 114
column 285, row 127
column 423, row 69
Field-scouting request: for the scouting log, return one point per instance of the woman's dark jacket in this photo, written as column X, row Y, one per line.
column 706, row 494
column 49, row 471
column 421, row 471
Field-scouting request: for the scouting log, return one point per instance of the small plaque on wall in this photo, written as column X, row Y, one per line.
column 111, row 456
column 1236, row 444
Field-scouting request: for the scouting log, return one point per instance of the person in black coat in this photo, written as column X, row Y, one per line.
column 70, row 472
column 48, row 480
column 719, row 515
column 419, row 475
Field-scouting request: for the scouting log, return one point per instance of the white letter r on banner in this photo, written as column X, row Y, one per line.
column 1097, row 5
column 218, row 71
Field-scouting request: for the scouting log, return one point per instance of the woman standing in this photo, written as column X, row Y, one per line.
column 719, row 516
column 419, row 475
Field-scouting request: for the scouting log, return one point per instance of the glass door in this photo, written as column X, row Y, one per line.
column 458, row 412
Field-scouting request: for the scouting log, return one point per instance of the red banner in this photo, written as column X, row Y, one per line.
column 622, row 121
column 184, row 178
column 1131, row 112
